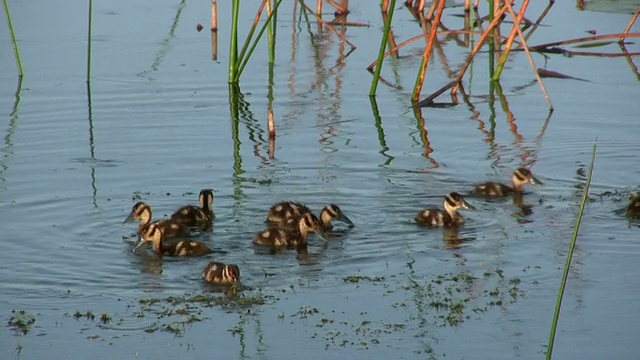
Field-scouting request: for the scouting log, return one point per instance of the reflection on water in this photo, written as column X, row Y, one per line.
column 385, row 288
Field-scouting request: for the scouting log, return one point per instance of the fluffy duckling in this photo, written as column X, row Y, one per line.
column 194, row 216
column 285, row 214
column 281, row 212
column 279, row 237
column 520, row 177
column 221, row 274
column 142, row 212
column 633, row 209
column 155, row 236
column 447, row 217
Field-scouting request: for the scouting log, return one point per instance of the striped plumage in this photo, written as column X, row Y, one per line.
column 285, row 214
column 142, row 212
column 197, row 216
column 282, row 237
column 221, row 274
column 520, row 177
column 184, row 247
column 447, row 217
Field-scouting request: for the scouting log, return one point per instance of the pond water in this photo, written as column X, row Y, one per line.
column 159, row 127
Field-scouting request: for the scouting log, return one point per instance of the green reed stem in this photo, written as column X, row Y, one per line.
column 233, row 51
column 383, row 46
column 16, row 53
column 89, row 42
column 565, row 274
column 245, row 59
column 273, row 26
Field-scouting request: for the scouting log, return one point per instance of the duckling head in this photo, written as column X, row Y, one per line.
column 454, row 202
column 331, row 212
column 522, row 176
column 153, row 235
column 141, row 212
column 206, row 198
column 231, row 273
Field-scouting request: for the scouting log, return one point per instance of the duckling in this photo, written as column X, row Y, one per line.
column 142, row 212
column 155, row 236
column 520, row 177
column 286, row 210
column 274, row 236
column 285, row 214
column 633, row 209
column 194, row 216
column 221, row 274
column 447, row 217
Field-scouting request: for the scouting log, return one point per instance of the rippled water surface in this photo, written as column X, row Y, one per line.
column 159, row 126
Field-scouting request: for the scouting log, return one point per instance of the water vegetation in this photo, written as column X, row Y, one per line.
column 21, row 321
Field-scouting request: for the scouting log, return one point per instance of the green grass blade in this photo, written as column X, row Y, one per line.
column 567, row 264
column 245, row 59
column 89, row 42
column 13, row 39
column 383, row 46
column 233, row 48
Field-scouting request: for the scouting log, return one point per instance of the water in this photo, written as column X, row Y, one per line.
column 159, row 129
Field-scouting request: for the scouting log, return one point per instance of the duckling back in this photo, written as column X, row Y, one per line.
column 285, row 213
column 633, row 209
column 221, row 274
column 194, row 216
column 283, row 237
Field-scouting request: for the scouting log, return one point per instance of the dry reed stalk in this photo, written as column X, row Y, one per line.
column 543, row 47
column 341, row 9
column 475, row 50
column 633, row 20
column 427, row 51
column 331, row 29
column 507, row 4
column 341, row 22
column 418, row 37
column 537, row 23
column 633, row 66
column 214, row 30
column 512, row 36
column 319, row 12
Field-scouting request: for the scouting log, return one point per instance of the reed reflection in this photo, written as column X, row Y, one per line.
column 7, row 150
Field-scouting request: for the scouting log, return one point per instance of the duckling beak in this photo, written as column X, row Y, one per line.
column 535, row 181
column 129, row 218
column 140, row 243
column 345, row 220
column 321, row 234
column 468, row 206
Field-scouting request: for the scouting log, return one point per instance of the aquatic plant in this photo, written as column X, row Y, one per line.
column 21, row 321
column 567, row 265
column 14, row 44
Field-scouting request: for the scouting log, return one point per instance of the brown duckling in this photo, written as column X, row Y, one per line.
column 194, row 216
column 142, row 212
column 447, row 217
column 285, row 214
column 633, row 209
column 279, row 237
column 155, row 236
column 221, row 274
column 285, row 210
column 493, row 189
